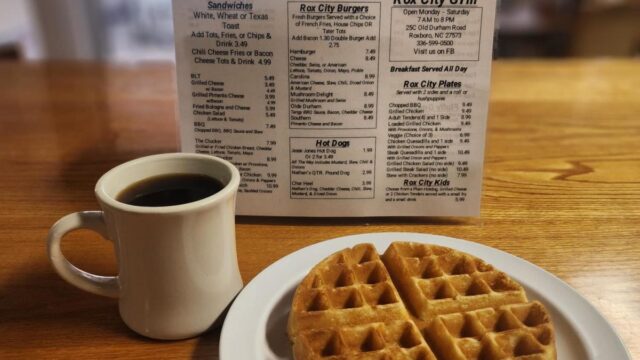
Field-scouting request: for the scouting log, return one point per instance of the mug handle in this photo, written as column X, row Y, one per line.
column 96, row 284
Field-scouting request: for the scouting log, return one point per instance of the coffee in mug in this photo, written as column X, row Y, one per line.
column 170, row 190
column 171, row 218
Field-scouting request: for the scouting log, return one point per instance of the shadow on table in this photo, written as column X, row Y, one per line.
column 37, row 299
column 207, row 344
column 364, row 221
column 37, row 302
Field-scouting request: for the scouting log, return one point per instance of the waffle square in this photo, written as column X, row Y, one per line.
column 417, row 301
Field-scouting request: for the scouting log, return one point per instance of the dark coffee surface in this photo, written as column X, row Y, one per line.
column 168, row 190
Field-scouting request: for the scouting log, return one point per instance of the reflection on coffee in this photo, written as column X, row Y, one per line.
column 169, row 190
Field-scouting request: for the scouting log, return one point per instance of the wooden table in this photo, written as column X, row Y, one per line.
column 561, row 189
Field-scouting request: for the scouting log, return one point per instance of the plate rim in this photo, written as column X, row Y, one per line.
column 580, row 313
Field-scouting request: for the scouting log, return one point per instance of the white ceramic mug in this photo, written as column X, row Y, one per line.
column 177, row 265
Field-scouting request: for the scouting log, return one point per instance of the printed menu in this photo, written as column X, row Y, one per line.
column 339, row 108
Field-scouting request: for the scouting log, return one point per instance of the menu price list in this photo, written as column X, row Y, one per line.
column 332, row 168
column 291, row 91
column 224, row 126
column 429, row 143
column 328, row 90
column 254, row 162
column 228, row 119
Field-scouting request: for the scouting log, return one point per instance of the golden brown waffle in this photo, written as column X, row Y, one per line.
column 421, row 302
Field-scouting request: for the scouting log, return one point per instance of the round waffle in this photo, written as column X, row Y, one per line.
column 416, row 301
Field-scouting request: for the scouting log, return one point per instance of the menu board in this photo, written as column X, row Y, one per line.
column 339, row 108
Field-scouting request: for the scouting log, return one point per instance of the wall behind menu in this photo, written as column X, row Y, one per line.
column 354, row 108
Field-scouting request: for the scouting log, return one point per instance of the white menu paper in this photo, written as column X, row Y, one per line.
column 339, row 108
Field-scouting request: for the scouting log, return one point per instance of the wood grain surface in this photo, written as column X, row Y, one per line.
column 561, row 189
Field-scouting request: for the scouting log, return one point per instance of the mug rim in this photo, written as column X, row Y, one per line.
column 229, row 189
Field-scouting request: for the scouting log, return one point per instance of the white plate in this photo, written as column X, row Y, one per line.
column 255, row 327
